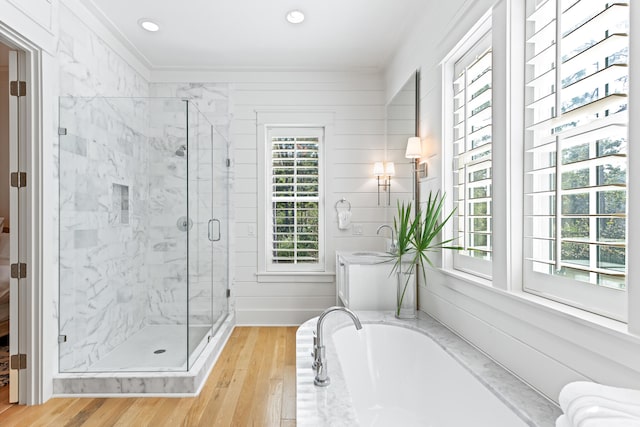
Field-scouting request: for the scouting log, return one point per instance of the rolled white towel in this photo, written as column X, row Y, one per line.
column 577, row 389
column 607, row 422
column 563, row 421
column 584, row 415
column 595, row 404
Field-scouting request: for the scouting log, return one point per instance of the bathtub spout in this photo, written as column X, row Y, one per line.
column 319, row 359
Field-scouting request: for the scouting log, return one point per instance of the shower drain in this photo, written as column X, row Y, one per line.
column 159, row 351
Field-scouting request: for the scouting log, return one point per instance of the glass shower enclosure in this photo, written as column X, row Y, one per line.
column 143, row 244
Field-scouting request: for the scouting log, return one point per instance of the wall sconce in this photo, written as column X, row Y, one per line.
column 386, row 171
column 414, row 152
column 414, row 148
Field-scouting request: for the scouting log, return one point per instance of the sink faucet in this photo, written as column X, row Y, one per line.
column 393, row 248
column 320, row 362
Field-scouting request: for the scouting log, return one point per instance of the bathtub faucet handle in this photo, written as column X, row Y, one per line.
column 314, row 353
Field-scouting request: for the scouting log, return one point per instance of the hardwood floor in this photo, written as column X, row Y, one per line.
column 4, row 400
column 252, row 384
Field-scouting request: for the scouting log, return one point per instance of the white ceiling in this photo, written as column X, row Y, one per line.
column 337, row 34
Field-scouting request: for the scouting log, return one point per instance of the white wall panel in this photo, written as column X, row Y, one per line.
column 363, row 112
column 308, row 98
column 357, row 142
column 245, row 156
column 356, row 103
column 283, row 290
column 35, row 20
column 245, row 201
column 244, row 215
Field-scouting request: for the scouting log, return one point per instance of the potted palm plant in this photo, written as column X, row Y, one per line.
column 417, row 237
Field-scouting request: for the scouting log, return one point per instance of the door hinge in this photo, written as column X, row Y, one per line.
column 18, row 88
column 228, row 163
column 18, row 361
column 62, row 338
column 19, row 271
column 62, row 131
column 18, row 179
column 228, row 293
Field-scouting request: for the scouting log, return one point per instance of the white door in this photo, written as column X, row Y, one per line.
column 17, row 201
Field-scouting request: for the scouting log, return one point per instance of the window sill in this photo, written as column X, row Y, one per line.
column 591, row 320
column 468, row 277
column 295, row 276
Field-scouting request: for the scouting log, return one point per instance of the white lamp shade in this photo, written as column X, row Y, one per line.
column 389, row 169
column 414, row 148
column 378, row 169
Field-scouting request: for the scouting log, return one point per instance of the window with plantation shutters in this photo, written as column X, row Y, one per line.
column 472, row 167
column 576, row 76
column 294, row 191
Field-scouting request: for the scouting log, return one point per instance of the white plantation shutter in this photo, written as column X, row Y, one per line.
column 576, row 152
column 295, row 199
column 472, row 168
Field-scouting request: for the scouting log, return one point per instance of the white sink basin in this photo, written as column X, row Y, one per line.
column 367, row 257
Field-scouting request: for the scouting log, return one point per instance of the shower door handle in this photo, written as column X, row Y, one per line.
column 209, row 231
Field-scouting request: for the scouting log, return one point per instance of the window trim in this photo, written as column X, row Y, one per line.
column 266, row 118
column 633, row 184
column 451, row 260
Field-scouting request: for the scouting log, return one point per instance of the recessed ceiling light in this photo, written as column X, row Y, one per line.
column 295, row 16
column 149, row 25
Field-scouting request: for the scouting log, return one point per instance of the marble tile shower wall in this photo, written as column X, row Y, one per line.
column 102, row 293
column 104, row 191
column 207, row 199
column 89, row 67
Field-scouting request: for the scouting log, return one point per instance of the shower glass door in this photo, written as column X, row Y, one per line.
column 199, row 171
column 207, row 238
column 220, row 212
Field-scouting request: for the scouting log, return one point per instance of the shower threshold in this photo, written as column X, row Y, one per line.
column 139, row 367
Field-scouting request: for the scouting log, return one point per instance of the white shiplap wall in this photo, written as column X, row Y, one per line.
column 355, row 101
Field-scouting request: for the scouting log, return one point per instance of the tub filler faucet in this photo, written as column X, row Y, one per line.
column 319, row 356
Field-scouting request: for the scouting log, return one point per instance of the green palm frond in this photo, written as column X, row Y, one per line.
column 419, row 235
column 428, row 230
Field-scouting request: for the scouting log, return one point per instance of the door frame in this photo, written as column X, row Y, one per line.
column 31, row 337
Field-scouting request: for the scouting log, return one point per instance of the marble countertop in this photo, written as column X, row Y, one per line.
column 331, row 406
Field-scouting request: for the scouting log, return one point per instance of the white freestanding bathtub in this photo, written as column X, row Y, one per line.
column 391, row 373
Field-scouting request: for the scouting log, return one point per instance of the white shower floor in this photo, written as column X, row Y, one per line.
column 138, row 353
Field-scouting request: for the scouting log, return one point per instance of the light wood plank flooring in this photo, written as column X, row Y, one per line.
column 252, row 384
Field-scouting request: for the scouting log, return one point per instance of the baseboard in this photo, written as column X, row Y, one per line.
column 275, row 317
